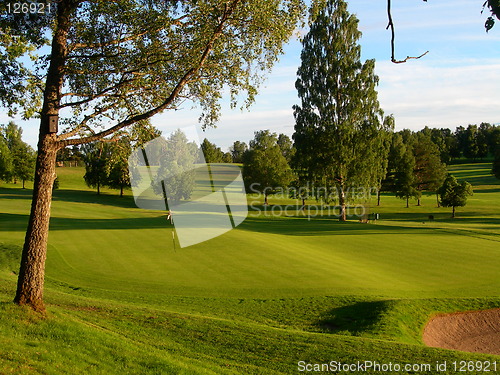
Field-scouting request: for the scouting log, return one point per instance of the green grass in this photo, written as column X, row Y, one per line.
column 257, row 299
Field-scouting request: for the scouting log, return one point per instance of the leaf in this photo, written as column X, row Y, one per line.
column 488, row 25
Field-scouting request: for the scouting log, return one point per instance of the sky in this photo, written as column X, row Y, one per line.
column 455, row 84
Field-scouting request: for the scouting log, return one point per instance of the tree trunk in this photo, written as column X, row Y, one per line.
column 98, row 188
column 265, row 199
column 303, row 204
column 378, row 197
column 24, row 187
column 121, row 191
column 418, row 201
column 437, row 200
column 32, row 269
column 342, row 203
column 453, row 212
column 407, row 202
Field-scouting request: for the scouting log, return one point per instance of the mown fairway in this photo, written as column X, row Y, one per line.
column 257, row 299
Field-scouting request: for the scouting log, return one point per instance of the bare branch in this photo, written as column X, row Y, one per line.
column 391, row 26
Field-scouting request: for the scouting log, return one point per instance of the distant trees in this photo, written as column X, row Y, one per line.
column 265, row 168
column 237, row 150
column 339, row 128
column 17, row 158
column 454, row 194
column 175, row 177
column 97, row 157
column 214, row 154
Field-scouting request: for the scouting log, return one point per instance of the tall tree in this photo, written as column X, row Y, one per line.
column 121, row 62
column 213, row 154
column 175, row 177
column 22, row 155
column 402, row 165
column 454, row 194
column 97, row 162
column 286, row 146
column 237, row 150
column 265, row 169
column 339, row 131
column 119, row 176
column 23, row 160
column 429, row 170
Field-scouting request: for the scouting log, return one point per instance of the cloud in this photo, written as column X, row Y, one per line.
column 439, row 95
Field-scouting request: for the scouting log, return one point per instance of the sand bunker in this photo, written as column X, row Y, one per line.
column 475, row 331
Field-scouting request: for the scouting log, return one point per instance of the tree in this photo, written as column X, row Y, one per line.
column 119, row 177
column 175, row 178
column 23, row 162
column 97, row 161
column 5, row 160
column 213, row 154
column 237, row 150
column 339, row 131
column 265, row 169
column 471, row 148
column 402, row 166
column 454, row 194
column 286, row 146
column 21, row 155
column 121, row 62
column 429, row 170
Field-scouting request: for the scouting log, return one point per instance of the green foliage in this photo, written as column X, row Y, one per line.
column 131, row 59
column 97, row 162
column 213, row 154
column 119, row 177
column 286, row 146
column 265, row 169
column 340, row 134
column 175, row 177
column 237, row 150
column 5, row 160
column 429, row 170
column 19, row 158
column 401, row 168
column 454, row 194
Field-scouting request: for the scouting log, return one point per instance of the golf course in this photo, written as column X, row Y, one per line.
column 275, row 295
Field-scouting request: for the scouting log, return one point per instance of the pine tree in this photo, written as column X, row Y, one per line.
column 340, row 135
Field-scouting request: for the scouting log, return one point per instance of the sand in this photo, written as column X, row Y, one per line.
column 473, row 331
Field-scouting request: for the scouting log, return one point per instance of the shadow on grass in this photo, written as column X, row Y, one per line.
column 77, row 196
column 354, row 319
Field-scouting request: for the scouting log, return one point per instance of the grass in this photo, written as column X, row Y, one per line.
column 255, row 300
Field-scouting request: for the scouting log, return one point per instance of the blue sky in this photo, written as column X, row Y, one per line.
column 456, row 83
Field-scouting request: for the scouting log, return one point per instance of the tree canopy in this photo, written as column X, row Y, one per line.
column 340, row 133
column 454, row 194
